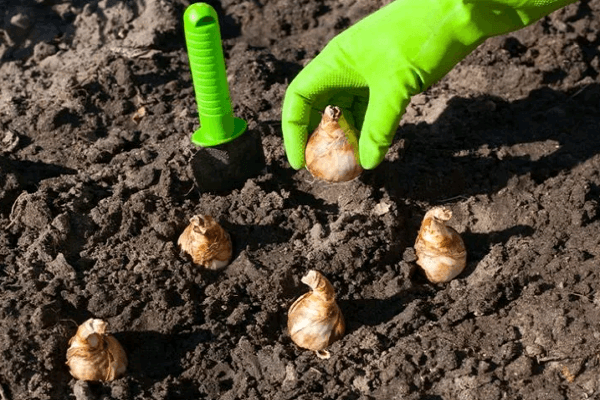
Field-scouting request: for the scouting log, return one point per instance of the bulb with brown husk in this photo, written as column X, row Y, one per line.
column 440, row 249
column 207, row 242
column 332, row 150
column 315, row 320
column 94, row 354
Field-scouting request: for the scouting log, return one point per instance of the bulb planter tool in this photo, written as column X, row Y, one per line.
column 203, row 40
column 226, row 156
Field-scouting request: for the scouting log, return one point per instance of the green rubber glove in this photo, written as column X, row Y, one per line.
column 372, row 69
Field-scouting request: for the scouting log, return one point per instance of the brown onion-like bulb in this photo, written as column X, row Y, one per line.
column 207, row 242
column 94, row 354
column 332, row 150
column 315, row 320
column 440, row 249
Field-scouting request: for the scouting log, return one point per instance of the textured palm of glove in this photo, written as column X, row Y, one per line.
column 372, row 69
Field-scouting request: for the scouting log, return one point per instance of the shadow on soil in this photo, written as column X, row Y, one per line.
column 153, row 356
column 18, row 176
column 33, row 172
column 28, row 23
column 479, row 243
column 372, row 312
column 478, row 144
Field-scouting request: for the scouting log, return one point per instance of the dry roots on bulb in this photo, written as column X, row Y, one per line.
column 332, row 150
column 95, row 355
column 207, row 242
column 315, row 320
column 440, row 249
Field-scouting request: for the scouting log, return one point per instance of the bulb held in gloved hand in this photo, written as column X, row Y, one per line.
column 207, row 242
column 95, row 355
column 315, row 320
column 332, row 150
column 440, row 249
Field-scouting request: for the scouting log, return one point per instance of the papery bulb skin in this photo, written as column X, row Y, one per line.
column 314, row 319
column 207, row 242
column 94, row 354
column 332, row 150
column 439, row 248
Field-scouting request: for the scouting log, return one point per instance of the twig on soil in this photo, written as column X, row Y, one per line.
column 69, row 320
column 460, row 196
column 551, row 358
column 2, row 393
column 190, row 191
column 133, row 52
column 310, row 180
column 577, row 93
column 583, row 296
column 16, row 203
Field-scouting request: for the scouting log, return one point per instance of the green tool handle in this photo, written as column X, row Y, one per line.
column 207, row 65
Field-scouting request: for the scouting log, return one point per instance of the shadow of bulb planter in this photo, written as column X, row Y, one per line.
column 439, row 248
column 206, row 242
column 94, row 354
column 332, row 150
column 227, row 153
column 314, row 319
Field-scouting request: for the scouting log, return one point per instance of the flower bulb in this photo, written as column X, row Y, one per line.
column 439, row 248
column 95, row 355
column 207, row 242
column 332, row 150
column 315, row 320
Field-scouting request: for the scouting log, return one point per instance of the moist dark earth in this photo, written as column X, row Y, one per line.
column 96, row 185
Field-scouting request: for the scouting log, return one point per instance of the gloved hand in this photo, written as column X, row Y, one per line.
column 372, row 69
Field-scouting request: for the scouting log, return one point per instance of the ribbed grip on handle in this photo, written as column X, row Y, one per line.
column 205, row 53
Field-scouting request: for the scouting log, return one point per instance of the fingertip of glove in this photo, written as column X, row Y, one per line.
column 370, row 156
column 294, row 144
column 369, row 164
column 296, row 164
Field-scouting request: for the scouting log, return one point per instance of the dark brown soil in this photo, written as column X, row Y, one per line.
column 94, row 194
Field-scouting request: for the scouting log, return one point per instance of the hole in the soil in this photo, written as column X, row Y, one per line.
column 221, row 374
column 587, row 256
column 553, row 76
column 65, row 116
column 286, row 28
column 591, row 72
column 514, row 47
column 342, row 23
column 226, row 385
